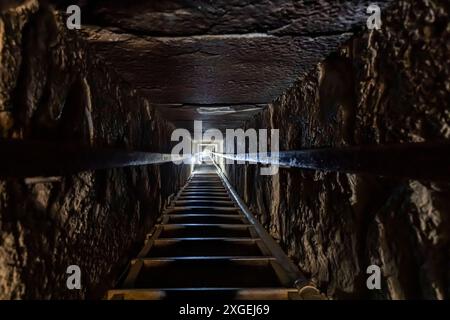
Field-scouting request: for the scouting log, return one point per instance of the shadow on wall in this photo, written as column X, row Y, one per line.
column 53, row 89
column 337, row 96
column 387, row 86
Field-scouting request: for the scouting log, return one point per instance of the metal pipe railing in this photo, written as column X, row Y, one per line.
column 306, row 289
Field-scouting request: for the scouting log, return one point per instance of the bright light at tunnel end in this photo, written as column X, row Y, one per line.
column 236, row 146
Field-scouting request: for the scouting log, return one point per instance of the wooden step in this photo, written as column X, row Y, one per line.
column 205, row 247
column 201, row 272
column 150, row 261
column 204, row 194
column 202, row 210
column 203, row 197
column 200, row 188
column 208, row 246
column 204, row 230
column 203, row 294
column 205, row 185
column 207, row 203
column 205, row 182
column 205, row 218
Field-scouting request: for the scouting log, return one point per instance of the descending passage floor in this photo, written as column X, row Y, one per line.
column 205, row 247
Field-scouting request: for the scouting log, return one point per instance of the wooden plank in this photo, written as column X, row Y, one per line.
column 208, row 239
column 228, row 226
column 237, row 259
column 174, row 209
column 239, row 293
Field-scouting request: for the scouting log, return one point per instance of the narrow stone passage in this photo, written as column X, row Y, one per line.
column 206, row 247
column 226, row 149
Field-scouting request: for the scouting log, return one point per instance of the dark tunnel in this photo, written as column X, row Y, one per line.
column 250, row 150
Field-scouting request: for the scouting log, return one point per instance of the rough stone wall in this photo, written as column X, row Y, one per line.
column 384, row 86
column 53, row 89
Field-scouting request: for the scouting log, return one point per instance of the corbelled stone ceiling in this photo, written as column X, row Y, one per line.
column 218, row 61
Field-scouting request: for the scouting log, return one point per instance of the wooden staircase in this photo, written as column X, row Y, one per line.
column 208, row 245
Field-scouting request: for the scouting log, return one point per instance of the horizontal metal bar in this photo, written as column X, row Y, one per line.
column 175, row 240
column 226, row 201
column 209, row 258
column 205, row 191
column 203, row 187
column 207, row 239
column 153, row 262
column 202, row 198
column 202, row 195
column 219, row 191
column 173, row 209
column 21, row 158
column 232, row 216
column 218, row 225
column 423, row 160
column 188, row 189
